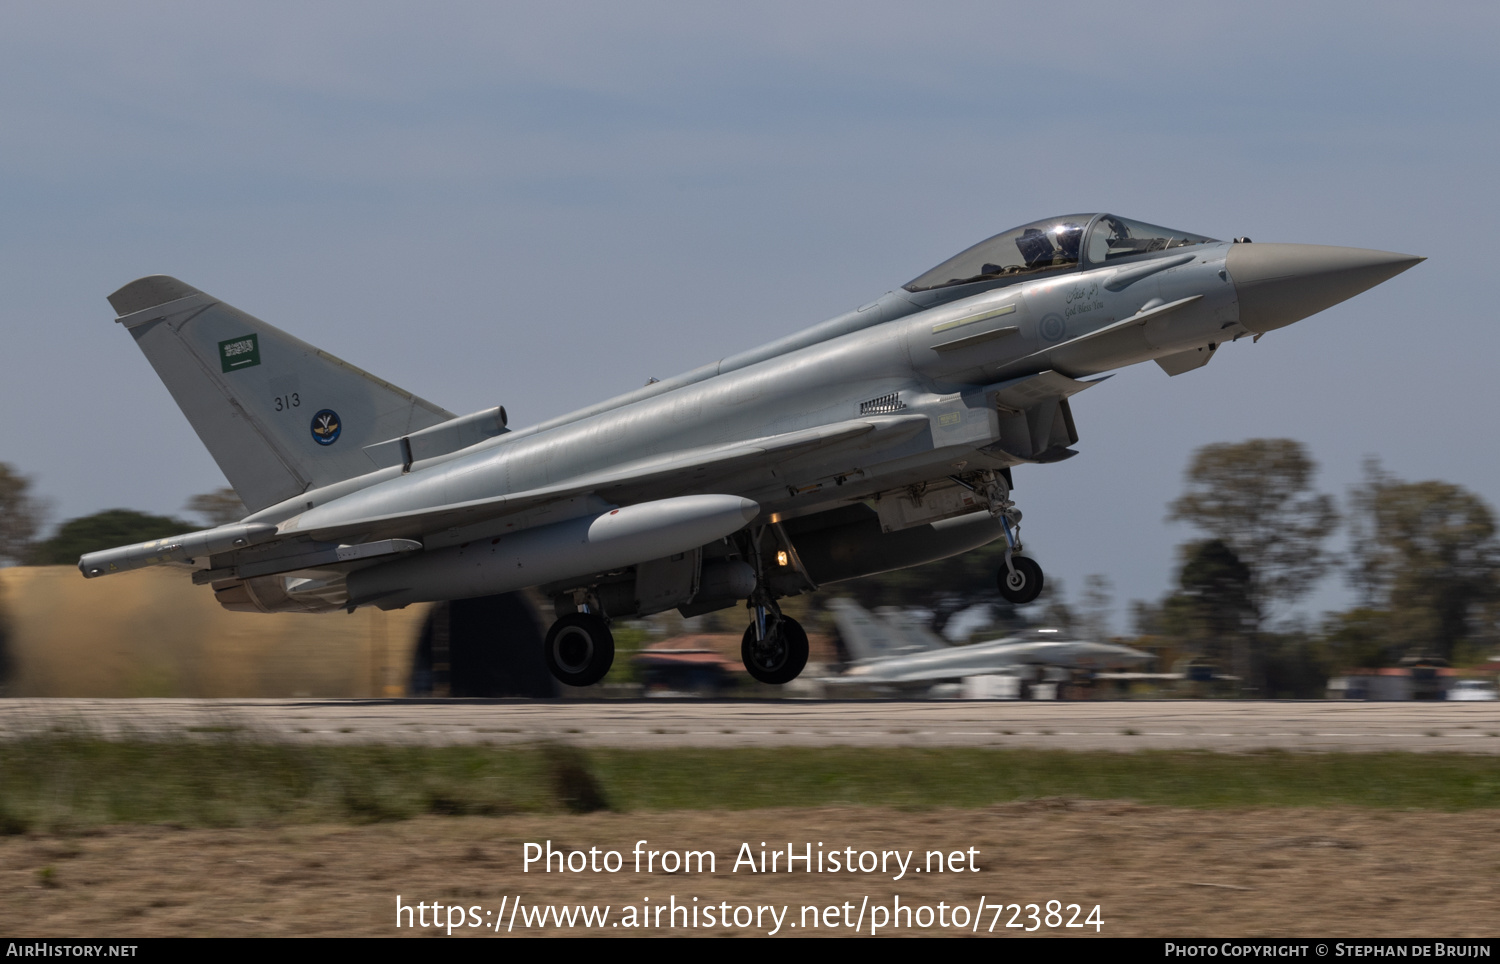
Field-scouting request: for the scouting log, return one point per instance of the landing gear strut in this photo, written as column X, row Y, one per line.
column 774, row 648
column 1020, row 578
column 580, row 649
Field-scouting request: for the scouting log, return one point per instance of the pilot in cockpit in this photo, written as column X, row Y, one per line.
column 1069, row 241
column 1057, row 246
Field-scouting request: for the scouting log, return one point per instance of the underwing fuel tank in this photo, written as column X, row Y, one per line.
column 611, row 540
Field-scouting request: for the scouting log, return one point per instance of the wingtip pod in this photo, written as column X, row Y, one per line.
column 1278, row 284
column 149, row 292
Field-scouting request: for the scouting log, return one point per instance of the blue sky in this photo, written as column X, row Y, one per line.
column 542, row 205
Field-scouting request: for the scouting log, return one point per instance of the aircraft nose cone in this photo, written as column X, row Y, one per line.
column 1278, row 284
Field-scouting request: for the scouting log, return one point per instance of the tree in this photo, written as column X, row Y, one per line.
column 1217, row 584
column 21, row 515
column 104, row 530
column 1256, row 498
column 1210, row 616
column 1425, row 553
column 1214, row 609
column 218, row 508
column 1355, row 638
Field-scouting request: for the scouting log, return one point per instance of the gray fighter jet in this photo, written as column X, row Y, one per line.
column 894, row 650
column 880, row 439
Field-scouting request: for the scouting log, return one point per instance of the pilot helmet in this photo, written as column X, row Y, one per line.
column 1069, row 239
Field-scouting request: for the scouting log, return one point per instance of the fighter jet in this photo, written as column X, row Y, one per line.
column 883, row 438
column 894, row 650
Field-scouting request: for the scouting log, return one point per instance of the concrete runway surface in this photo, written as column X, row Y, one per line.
column 1240, row 725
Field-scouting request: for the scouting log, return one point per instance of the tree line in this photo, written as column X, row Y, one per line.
column 23, row 516
column 1421, row 556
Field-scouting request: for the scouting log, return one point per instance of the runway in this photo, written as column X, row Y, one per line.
column 1227, row 726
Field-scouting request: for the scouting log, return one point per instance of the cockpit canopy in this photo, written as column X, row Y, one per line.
column 1051, row 245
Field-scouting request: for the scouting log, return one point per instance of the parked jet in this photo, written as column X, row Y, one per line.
column 880, row 439
column 896, row 650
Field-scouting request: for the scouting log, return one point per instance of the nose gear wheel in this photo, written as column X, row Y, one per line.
column 1020, row 581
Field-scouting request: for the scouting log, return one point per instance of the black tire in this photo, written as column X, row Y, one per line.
column 580, row 649
column 1023, row 585
column 780, row 656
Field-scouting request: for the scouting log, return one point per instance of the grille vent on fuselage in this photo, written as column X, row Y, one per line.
column 883, row 405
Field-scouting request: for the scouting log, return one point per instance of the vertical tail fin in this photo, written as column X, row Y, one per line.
column 278, row 415
column 868, row 636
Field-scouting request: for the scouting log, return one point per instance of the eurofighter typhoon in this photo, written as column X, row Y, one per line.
column 880, row 439
column 896, row 650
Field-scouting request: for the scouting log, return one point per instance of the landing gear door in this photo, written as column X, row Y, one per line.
column 920, row 504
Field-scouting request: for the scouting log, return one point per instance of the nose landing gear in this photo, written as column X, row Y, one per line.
column 1020, row 578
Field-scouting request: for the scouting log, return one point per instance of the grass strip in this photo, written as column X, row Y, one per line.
column 75, row 782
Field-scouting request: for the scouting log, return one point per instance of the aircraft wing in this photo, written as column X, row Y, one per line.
column 690, row 470
column 757, row 462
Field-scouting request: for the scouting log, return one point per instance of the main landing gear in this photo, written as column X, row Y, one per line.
column 580, row 649
column 775, row 646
